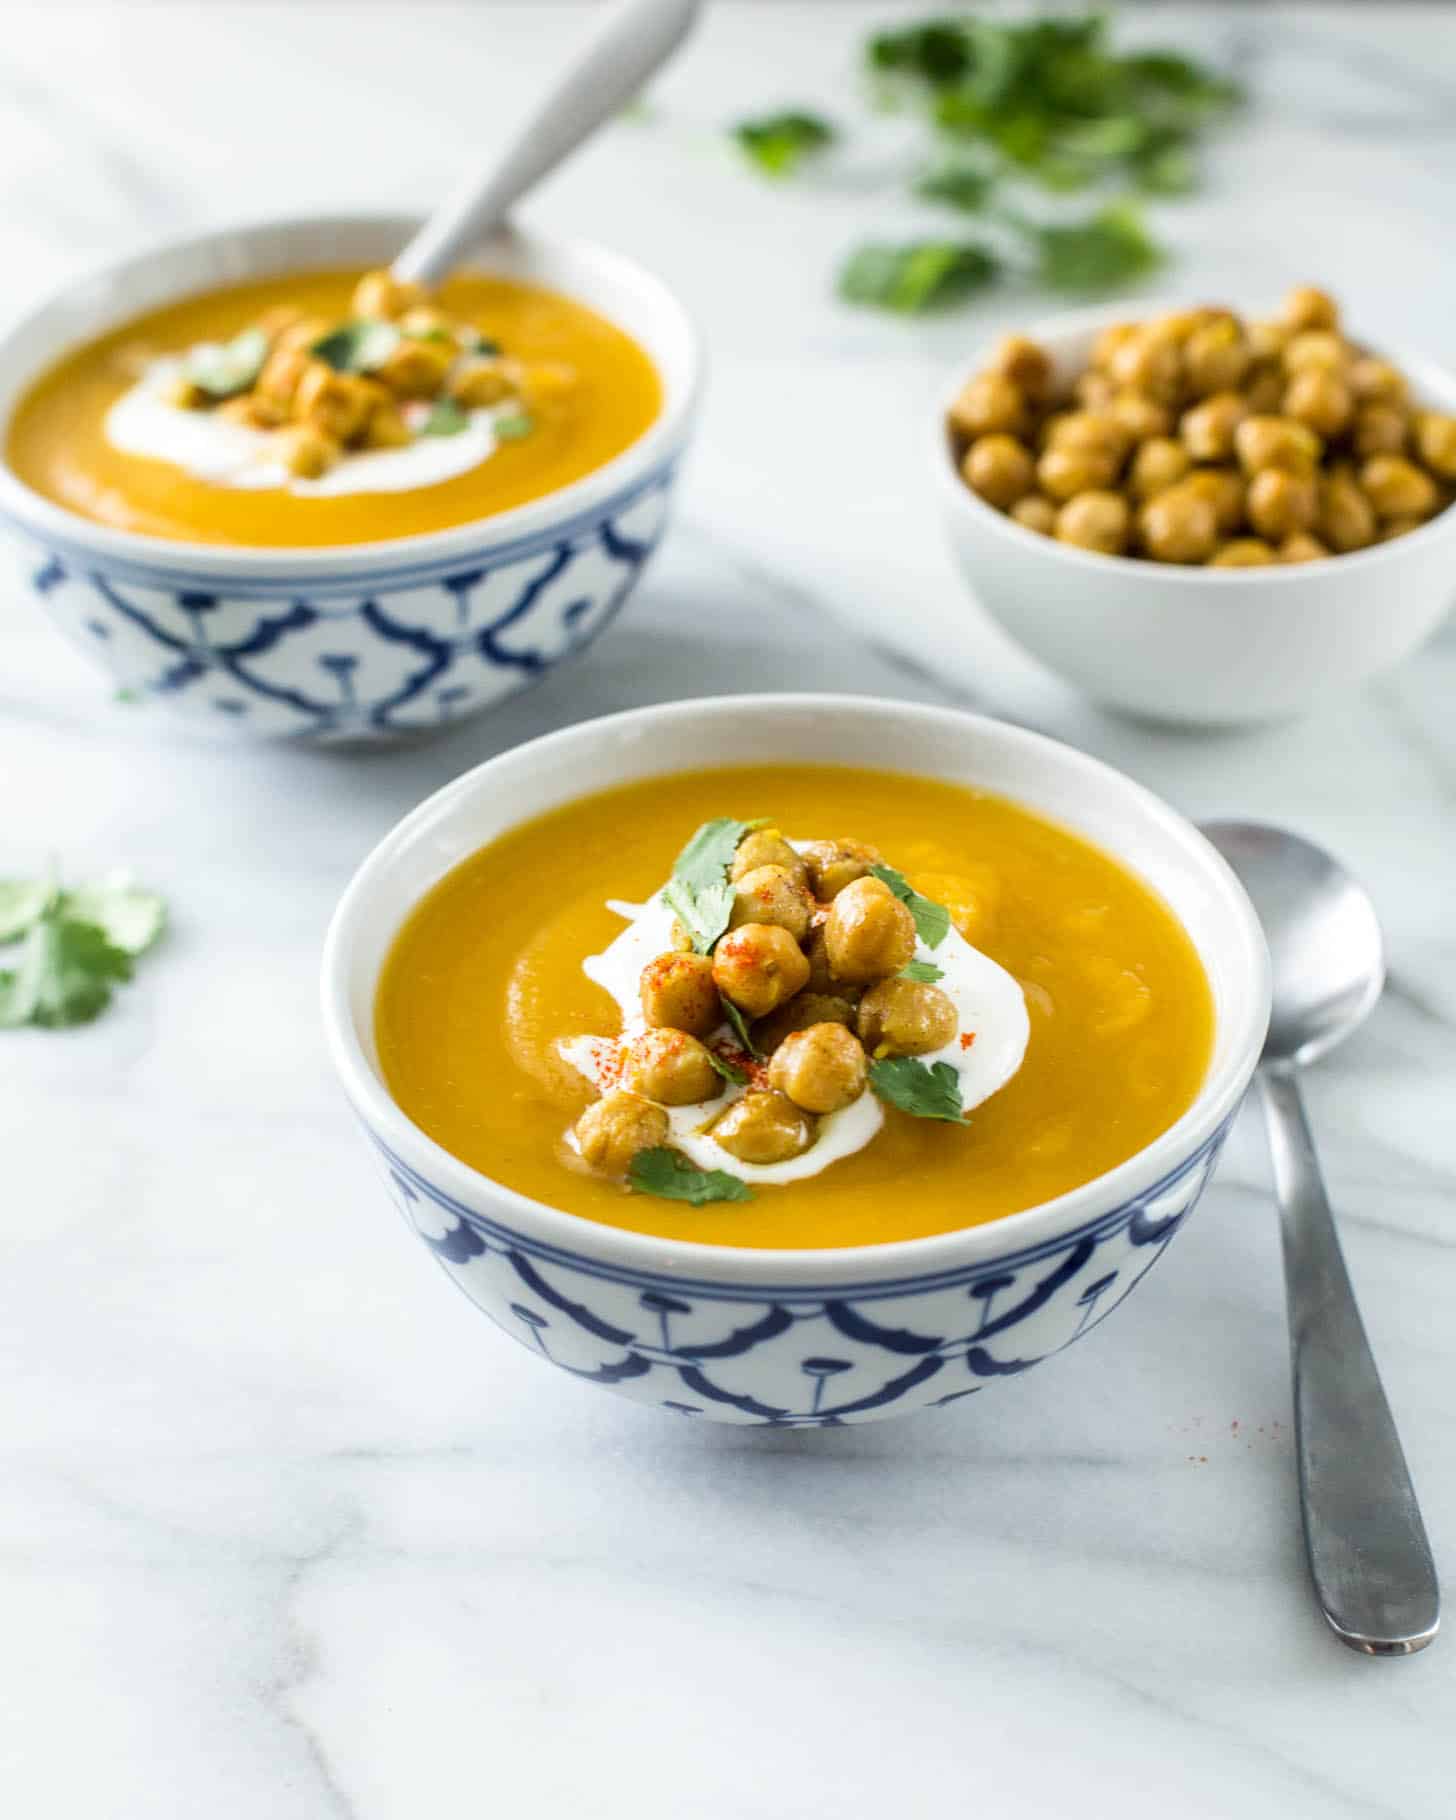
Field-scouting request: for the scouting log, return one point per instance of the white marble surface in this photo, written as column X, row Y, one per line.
column 285, row 1530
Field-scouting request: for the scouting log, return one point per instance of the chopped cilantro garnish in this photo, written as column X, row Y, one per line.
column 779, row 143
column 224, row 369
column 699, row 891
column 926, row 1093
column 445, row 419
column 513, row 427
column 925, row 973
column 1108, row 249
column 356, row 347
column 916, row 275
column 932, row 920
column 956, row 184
column 740, row 1028
column 730, row 1071
column 669, row 1175
column 70, row 947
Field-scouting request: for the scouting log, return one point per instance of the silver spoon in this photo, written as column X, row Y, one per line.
column 1368, row 1552
column 625, row 48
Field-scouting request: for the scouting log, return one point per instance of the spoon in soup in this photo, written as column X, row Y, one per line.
column 625, row 49
column 1368, row 1553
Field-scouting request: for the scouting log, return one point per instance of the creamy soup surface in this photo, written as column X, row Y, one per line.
column 507, row 991
column 101, row 432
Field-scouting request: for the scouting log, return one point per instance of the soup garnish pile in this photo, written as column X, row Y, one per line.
column 776, row 1035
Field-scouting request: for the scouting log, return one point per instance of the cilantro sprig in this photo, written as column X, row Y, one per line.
column 699, row 891
column 925, row 973
column 671, row 1177
column 357, row 347
column 917, row 275
column 932, row 920
column 926, row 1093
column 445, row 418
column 67, row 949
column 779, row 143
column 223, row 369
column 730, row 1071
column 740, row 1028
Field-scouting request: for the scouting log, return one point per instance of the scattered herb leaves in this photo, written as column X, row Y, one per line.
column 70, row 947
column 513, row 427
column 669, row 1175
column 445, row 418
column 1107, row 249
column 779, row 143
column 434, row 333
column 958, row 185
column 356, row 347
column 917, row 275
column 475, row 343
column 924, row 973
column 932, row 920
column 740, row 1029
column 730, row 1071
column 699, row 891
column 223, row 369
column 927, row 1093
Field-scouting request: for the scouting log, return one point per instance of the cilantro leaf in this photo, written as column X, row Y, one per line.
column 699, row 891
column 932, row 920
column 356, row 347
column 926, row 973
column 1107, row 249
column 669, row 1175
column 730, row 1071
column 779, row 143
column 926, row 1093
column 916, row 275
column 223, row 369
column 513, row 427
column 131, row 919
column 445, row 419
column 22, row 901
column 740, row 1027
column 956, row 184
column 63, row 974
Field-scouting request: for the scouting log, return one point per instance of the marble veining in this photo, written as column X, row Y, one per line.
column 286, row 1531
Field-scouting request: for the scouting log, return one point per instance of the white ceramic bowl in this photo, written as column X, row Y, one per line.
column 798, row 1337
column 363, row 641
column 1200, row 645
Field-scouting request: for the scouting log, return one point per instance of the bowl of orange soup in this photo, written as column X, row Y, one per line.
column 269, row 487
column 795, row 1059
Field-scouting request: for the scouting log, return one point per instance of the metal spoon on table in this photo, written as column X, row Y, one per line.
column 1368, row 1552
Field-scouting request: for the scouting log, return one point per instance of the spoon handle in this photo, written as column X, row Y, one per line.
column 1368, row 1552
column 628, row 46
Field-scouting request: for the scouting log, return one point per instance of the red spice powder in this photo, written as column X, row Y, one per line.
column 967, row 1039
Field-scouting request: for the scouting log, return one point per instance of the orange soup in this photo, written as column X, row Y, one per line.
column 483, row 998
column 311, row 410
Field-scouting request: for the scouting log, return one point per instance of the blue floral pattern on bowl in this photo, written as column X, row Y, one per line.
column 795, row 1357
column 386, row 653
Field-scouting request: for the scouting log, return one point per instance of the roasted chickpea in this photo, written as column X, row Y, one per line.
column 1150, row 364
column 335, row 403
column 1094, row 521
column 678, row 993
column 1063, row 472
column 477, row 384
column 1208, row 429
column 1346, row 517
column 1267, row 340
column 386, row 429
column 1242, row 553
column 1092, row 390
column 1027, row 366
column 905, row 1017
column 278, row 320
column 764, row 1127
column 1319, row 399
column 999, row 468
column 1300, row 546
column 1397, row 488
column 1141, row 417
column 1178, row 526
column 415, row 369
column 772, row 894
column 671, row 1067
column 1036, row 512
column 382, row 295
column 1398, row 527
column 1376, row 381
column 1099, row 431
column 306, row 451
column 1318, row 351
column 302, row 333
column 988, row 403
column 1159, row 464
column 822, row 1069
column 1215, row 359
column 758, row 966
column 767, row 847
column 281, row 373
column 869, row 934
column 1306, row 308
column 1224, row 491
column 1275, row 442
column 615, row 1128
column 1109, row 340
column 254, row 409
column 1279, row 502
column 803, row 1009
column 835, row 863
column 1436, row 442
column 1380, row 429
column 821, row 979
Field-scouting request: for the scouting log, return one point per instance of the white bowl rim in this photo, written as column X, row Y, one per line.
column 1428, row 375
column 43, row 518
column 755, row 1267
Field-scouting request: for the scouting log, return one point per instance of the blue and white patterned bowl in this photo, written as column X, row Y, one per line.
column 371, row 641
column 798, row 1338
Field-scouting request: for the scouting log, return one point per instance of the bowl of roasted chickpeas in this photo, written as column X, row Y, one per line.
column 1200, row 515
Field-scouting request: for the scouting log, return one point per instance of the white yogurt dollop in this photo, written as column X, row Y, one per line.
column 990, row 1011
column 143, row 421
